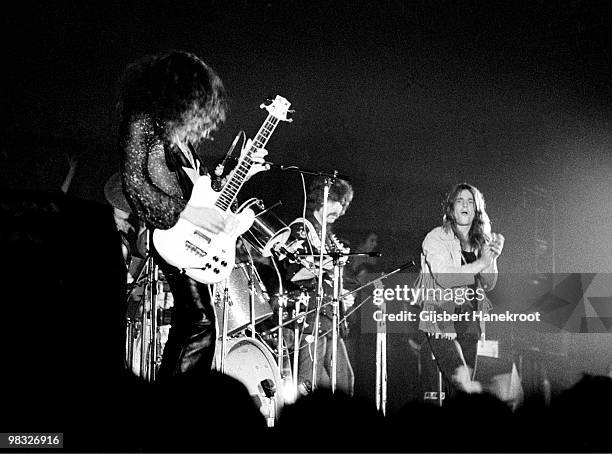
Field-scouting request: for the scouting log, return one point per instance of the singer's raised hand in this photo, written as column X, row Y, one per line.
column 497, row 244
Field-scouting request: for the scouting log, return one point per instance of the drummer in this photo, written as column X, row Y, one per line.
column 301, row 284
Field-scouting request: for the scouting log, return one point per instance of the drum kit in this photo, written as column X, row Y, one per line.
column 259, row 333
column 241, row 304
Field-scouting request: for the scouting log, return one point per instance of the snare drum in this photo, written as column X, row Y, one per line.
column 239, row 309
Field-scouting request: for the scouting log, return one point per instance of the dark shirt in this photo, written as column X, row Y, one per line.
column 154, row 183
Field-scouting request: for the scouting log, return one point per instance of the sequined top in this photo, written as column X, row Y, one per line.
column 151, row 184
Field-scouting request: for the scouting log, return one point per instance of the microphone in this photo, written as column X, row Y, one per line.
column 221, row 167
column 407, row 265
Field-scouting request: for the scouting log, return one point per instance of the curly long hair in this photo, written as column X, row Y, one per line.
column 480, row 232
column 181, row 92
column 340, row 191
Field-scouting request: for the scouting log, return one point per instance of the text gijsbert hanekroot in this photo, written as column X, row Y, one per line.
column 459, row 296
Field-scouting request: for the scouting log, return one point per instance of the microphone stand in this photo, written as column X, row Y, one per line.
column 333, row 175
column 335, row 309
column 328, row 183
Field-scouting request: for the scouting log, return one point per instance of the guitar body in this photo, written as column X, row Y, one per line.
column 204, row 256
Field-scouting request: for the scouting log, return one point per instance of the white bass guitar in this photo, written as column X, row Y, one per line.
column 205, row 256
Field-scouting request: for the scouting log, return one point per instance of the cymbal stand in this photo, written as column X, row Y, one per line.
column 252, row 296
column 226, row 303
column 148, row 369
column 282, row 303
column 130, row 322
column 296, row 347
column 335, row 307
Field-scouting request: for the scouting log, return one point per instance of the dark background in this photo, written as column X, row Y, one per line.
column 408, row 98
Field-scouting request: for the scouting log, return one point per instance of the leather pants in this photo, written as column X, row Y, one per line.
column 191, row 341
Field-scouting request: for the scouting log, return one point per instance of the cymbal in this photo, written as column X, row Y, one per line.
column 113, row 192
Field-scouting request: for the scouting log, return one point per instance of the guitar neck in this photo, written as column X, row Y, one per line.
column 232, row 187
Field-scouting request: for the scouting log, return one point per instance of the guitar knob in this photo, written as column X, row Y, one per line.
column 216, row 271
column 208, row 265
column 223, row 263
column 216, row 259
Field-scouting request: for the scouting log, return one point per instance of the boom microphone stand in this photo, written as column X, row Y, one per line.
column 328, row 183
column 335, row 309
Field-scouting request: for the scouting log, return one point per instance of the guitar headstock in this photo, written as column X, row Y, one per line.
column 278, row 108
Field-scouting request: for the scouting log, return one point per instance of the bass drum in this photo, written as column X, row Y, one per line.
column 239, row 309
column 250, row 362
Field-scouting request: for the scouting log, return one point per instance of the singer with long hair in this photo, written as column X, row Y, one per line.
column 460, row 255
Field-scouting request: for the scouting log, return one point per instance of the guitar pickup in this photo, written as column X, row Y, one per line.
column 193, row 248
column 201, row 235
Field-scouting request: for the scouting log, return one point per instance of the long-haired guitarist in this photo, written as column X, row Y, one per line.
column 168, row 104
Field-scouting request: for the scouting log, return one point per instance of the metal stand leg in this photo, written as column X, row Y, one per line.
column 381, row 363
column 320, row 281
column 226, row 304
column 296, row 348
column 129, row 344
column 153, row 281
column 440, row 396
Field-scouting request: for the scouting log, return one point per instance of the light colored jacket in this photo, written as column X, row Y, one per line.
column 441, row 269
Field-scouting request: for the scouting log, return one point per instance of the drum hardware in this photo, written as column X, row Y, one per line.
column 268, row 231
column 226, row 304
column 269, row 388
column 252, row 294
column 250, row 361
column 129, row 343
column 149, row 361
column 145, row 333
column 352, row 292
column 282, row 304
column 296, row 346
column 381, row 347
column 246, row 297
